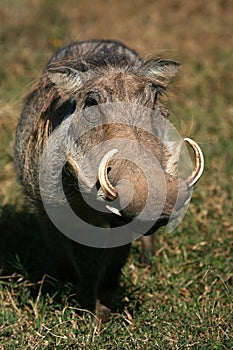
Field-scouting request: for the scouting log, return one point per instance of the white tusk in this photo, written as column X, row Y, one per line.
column 105, row 184
column 113, row 210
column 199, row 166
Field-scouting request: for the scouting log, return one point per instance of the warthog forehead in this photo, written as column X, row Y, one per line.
column 114, row 85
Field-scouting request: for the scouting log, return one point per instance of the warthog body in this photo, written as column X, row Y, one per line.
column 81, row 76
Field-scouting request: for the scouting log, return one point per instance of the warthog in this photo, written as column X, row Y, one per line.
column 94, row 122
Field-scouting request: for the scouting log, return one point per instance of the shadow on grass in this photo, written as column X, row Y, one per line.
column 21, row 243
column 23, row 253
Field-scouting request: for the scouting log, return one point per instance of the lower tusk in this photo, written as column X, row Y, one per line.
column 114, row 210
column 105, row 184
column 199, row 166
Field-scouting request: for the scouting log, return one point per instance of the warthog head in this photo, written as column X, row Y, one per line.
column 118, row 149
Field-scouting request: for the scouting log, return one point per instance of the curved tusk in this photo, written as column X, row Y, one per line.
column 105, row 184
column 199, row 166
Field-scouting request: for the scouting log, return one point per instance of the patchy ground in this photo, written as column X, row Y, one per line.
column 185, row 300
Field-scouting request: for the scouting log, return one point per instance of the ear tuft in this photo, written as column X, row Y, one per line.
column 161, row 71
column 67, row 80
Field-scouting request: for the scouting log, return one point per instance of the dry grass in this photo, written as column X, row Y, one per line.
column 185, row 300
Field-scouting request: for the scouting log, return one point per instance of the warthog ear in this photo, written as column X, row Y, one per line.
column 161, row 71
column 66, row 79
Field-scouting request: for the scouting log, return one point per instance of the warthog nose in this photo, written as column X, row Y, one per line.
column 122, row 181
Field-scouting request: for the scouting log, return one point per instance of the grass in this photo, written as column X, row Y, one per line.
column 184, row 300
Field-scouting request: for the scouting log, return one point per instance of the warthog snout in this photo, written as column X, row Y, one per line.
column 133, row 191
column 128, row 189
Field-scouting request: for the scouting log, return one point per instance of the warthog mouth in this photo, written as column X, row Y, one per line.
column 111, row 191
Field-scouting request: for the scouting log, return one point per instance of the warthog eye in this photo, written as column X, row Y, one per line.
column 89, row 102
